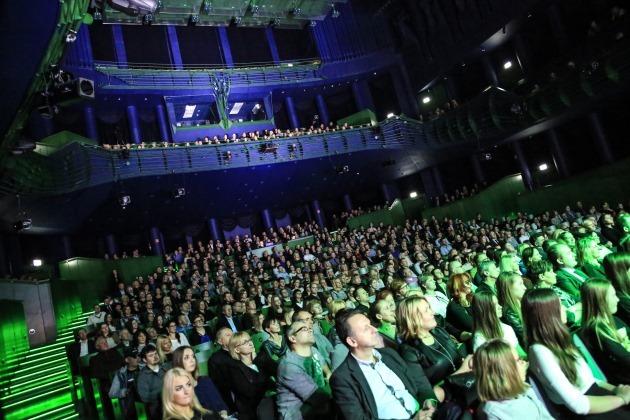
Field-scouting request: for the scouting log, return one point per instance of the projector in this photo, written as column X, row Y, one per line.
column 23, row 225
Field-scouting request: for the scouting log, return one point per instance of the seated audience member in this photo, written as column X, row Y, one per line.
column 569, row 278
column 179, row 400
column 510, row 290
column 459, row 311
column 97, row 317
column 617, row 267
column 322, row 343
column 399, row 289
column 363, row 300
column 426, row 344
column 486, row 324
column 107, row 360
column 276, row 310
column 149, row 383
column 140, row 339
column 372, row 383
column 500, row 375
column 437, row 299
column 164, row 349
column 107, row 334
column 199, row 334
column 177, row 339
column 205, row 390
column 606, row 336
column 340, row 351
column 219, row 366
column 227, row 320
column 589, row 254
column 545, row 278
column 383, row 316
column 248, row 377
column 303, row 391
column 124, row 385
column 489, row 273
column 276, row 345
column 558, row 365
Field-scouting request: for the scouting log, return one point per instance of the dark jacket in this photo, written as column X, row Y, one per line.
column 459, row 316
column 352, row 394
column 223, row 322
column 209, row 396
column 249, row 387
column 219, row 371
column 511, row 318
column 611, row 357
column 569, row 283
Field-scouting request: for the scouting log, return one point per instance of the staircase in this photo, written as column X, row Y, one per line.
column 39, row 385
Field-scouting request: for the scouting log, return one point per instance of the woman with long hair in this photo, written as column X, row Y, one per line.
column 140, row 339
column 164, row 348
column 205, row 390
column 427, row 344
column 588, row 256
column 276, row 310
column 558, row 365
column 109, row 320
column 459, row 310
column 486, row 323
column 178, row 398
column 250, row 380
column 510, row 291
column 545, row 278
column 605, row 336
column 176, row 338
column 111, row 337
column 500, row 375
column 617, row 268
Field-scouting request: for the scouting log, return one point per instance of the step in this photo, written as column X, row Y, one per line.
column 39, row 382
column 23, row 396
column 62, row 412
column 46, row 403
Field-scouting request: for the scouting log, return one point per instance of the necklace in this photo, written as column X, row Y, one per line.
column 445, row 353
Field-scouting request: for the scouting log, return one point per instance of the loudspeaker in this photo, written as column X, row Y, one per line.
column 85, row 88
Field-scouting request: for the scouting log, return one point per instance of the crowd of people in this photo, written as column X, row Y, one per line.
column 265, row 135
column 431, row 319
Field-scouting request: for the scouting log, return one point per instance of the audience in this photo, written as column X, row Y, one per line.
column 425, row 285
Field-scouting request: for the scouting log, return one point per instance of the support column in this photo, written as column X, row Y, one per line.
column 322, row 109
column 216, row 234
column 271, row 40
column 319, row 214
column 522, row 163
column 66, row 244
column 156, row 241
column 347, row 202
column 268, row 220
column 173, row 42
column 119, row 47
column 162, row 118
column 488, row 70
column 437, row 180
column 406, row 103
column 599, row 135
column 225, row 47
column 91, row 126
column 477, row 169
column 290, row 106
column 557, row 153
column 110, row 245
column 362, row 96
column 134, row 124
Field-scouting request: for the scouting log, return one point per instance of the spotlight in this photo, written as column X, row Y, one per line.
column 71, row 37
column 390, row 115
column 147, row 19
column 335, row 12
column 235, row 21
column 37, row 263
column 193, row 20
column 274, row 23
column 426, row 100
column 342, row 169
column 98, row 16
column 543, row 167
column 124, row 201
column 507, row 65
column 255, row 8
column 207, row 6
column 292, row 148
column 413, row 194
column 297, row 11
column 22, row 225
column 312, row 23
column 180, row 192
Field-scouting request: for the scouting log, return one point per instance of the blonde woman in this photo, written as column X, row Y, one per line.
column 164, row 348
column 500, row 375
column 178, row 398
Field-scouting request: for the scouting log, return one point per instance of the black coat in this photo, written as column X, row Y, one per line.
column 352, row 394
column 249, row 387
column 223, row 322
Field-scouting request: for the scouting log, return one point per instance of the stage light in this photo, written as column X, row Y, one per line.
column 24, row 224
column 71, row 37
column 426, row 100
column 37, row 263
column 312, row 23
column 124, row 201
column 390, row 115
column 543, row 167
column 207, row 6
column 179, row 192
column 413, row 194
column 507, row 65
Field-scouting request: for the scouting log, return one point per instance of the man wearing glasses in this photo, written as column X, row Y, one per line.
column 322, row 343
column 303, row 390
column 377, row 384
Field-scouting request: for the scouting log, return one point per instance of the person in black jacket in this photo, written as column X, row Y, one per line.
column 219, row 367
column 81, row 347
column 405, row 391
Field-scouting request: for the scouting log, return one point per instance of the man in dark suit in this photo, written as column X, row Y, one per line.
column 219, row 367
column 403, row 389
column 81, row 347
column 569, row 278
column 227, row 320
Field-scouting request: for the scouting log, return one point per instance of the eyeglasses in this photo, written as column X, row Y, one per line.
column 249, row 341
column 309, row 329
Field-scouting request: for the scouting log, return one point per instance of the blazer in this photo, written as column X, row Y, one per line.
column 223, row 322
column 249, row 387
column 352, row 394
column 569, row 283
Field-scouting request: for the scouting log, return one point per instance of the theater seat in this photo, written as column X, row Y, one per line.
column 597, row 372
